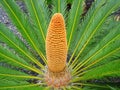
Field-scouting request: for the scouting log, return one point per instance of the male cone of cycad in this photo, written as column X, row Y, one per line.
column 56, row 73
column 56, row 44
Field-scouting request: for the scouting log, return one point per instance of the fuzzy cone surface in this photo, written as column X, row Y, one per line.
column 56, row 44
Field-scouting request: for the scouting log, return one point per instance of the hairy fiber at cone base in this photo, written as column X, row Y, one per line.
column 56, row 44
column 57, row 80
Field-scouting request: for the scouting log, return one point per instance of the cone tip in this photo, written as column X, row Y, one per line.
column 57, row 14
column 58, row 17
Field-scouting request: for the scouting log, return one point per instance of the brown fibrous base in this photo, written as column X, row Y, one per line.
column 57, row 79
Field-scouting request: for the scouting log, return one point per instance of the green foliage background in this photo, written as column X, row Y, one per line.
column 93, row 44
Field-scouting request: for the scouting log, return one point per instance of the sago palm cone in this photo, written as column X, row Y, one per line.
column 56, row 51
column 56, row 44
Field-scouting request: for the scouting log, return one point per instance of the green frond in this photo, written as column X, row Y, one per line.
column 6, row 52
column 73, row 21
column 89, row 86
column 59, row 6
column 11, row 83
column 108, row 26
column 22, row 23
column 10, row 74
column 109, row 69
column 39, row 17
column 15, row 60
column 94, row 88
column 5, row 70
column 18, row 85
column 93, row 23
column 113, row 88
column 18, row 77
column 14, row 42
column 13, row 79
column 6, row 34
column 103, row 50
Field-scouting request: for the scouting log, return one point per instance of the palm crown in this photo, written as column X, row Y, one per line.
column 93, row 45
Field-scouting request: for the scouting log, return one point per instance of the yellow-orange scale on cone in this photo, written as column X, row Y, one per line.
column 56, row 44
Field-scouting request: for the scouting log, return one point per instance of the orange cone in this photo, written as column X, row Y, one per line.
column 56, row 44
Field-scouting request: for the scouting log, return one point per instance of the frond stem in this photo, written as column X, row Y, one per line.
column 20, row 76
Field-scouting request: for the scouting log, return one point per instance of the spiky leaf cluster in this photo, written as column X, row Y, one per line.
column 93, row 44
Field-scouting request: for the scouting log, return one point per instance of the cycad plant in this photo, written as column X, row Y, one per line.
column 60, row 49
